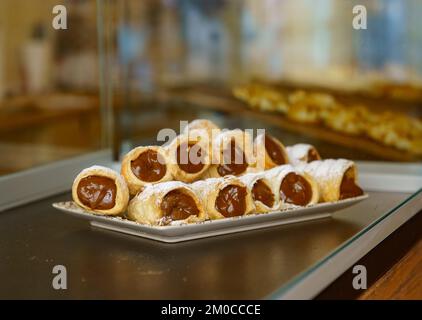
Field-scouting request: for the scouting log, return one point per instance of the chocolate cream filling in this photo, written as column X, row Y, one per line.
column 274, row 150
column 296, row 190
column 190, row 157
column 313, row 155
column 149, row 166
column 234, row 161
column 231, row 201
column 177, row 205
column 97, row 192
column 261, row 192
column 348, row 187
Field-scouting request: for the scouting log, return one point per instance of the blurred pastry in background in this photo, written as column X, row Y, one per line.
column 398, row 131
column 262, row 98
column 309, row 107
column 350, row 120
column 395, row 130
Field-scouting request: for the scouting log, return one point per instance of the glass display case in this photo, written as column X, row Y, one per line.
column 127, row 69
column 49, row 101
column 299, row 70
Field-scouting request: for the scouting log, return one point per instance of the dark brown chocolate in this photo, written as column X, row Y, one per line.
column 274, row 150
column 177, row 205
column 231, row 201
column 313, row 155
column 190, row 157
column 348, row 187
column 234, row 161
column 149, row 166
column 295, row 190
column 262, row 192
column 97, row 192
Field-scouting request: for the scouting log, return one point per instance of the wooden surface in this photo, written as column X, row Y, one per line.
column 394, row 268
column 402, row 281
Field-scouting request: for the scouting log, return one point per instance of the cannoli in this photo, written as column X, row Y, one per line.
column 232, row 153
column 189, row 156
column 144, row 165
column 269, row 152
column 302, row 153
column 203, row 124
column 292, row 188
column 163, row 203
column 224, row 197
column 336, row 179
column 263, row 195
column 100, row 190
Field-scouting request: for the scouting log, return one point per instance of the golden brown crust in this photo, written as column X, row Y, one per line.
column 263, row 159
column 300, row 153
column 133, row 182
column 203, row 124
column 249, row 180
column 208, row 190
column 177, row 172
column 122, row 192
column 276, row 175
column 222, row 142
column 328, row 174
column 146, row 206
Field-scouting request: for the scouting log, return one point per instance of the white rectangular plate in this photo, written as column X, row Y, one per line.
column 210, row 228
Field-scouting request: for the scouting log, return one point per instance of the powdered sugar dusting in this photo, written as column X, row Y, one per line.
column 298, row 153
column 326, row 169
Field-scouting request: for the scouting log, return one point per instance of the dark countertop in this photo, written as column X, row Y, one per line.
column 106, row 265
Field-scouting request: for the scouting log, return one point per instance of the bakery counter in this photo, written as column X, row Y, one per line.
column 296, row 260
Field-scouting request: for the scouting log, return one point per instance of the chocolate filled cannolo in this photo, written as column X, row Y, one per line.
column 100, row 190
column 203, row 124
column 336, row 179
column 163, row 203
column 232, row 152
column 269, row 152
column 144, row 165
column 293, row 188
column 189, row 156
column 224, row 197
column 263, row 195
column 302, row 153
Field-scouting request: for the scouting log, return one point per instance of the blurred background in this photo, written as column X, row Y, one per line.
column 125, row 69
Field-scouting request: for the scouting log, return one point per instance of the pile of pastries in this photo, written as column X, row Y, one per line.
column 207, row 173
column 392, row 129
